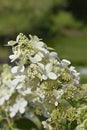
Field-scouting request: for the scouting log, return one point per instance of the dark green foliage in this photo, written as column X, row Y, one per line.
column 25, row 124
column 79, row 9
column 44, row 18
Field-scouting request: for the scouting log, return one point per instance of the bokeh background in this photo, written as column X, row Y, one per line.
column 61, row 23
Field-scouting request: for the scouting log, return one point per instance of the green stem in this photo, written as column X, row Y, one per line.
column 9, row 123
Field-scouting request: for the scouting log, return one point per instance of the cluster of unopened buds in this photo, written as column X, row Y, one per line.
column 36, row 81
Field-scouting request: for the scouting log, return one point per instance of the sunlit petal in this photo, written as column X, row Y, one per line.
column 52, row 75
column 48, row 67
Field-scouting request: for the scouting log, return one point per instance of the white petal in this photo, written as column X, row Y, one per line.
column 13, row 110
column 2, row 101
column 48, row 67
column 11, row 56
column 32, row 59
column 44, row 77
column 45, row 51
column 35, row 59
column 15, row 55
column 12, row 43
column 41, row 66
column 50, row 48
column 24, row 93
column 14, row 69
column 20, row 78
column 58, row 93
column 12, row 114
column 18, row 38
column 35, row 38
column 22, row 110
column 40, row 44
column 22, row 69
column 72, row 68
column 56, row 103
column 36, row 43
column 52, row 75
column 53, row 54
column 27, row 91
column 19, row 86
column 65, row 62
column 40, row 54
column 38, row 57
column 7, row 97
column 15, row 82
column 25, row 103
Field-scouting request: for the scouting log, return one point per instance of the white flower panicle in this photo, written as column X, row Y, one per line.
column 35, row 79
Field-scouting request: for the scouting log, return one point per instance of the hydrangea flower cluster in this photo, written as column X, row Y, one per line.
column 39, row 84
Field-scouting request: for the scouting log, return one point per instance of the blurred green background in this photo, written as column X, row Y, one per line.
column 61, row 23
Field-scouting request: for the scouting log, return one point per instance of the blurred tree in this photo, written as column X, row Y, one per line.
column 79, row 9
column 17, row 16
column 42, row 17
column 29, row 16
